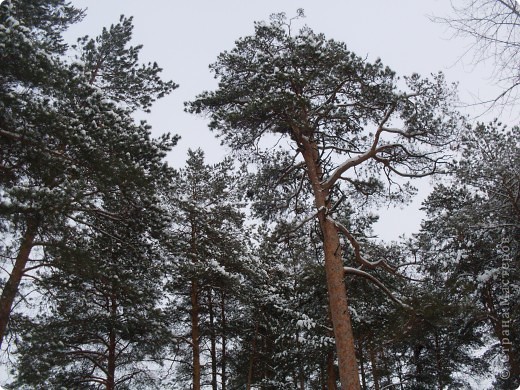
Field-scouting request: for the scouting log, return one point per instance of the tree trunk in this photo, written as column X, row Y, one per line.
column 224, row 340
column 111, row 364
column 13, row 283
column 195, row 334
column 252, row 359
column 341, row 323
column 438, row 361
column 194, row 296
column 375, row 370
column 418, row 363
column 362, row 364
column 331, row 372
column 213, row 341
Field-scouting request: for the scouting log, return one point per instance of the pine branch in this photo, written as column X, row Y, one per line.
column 377, row 282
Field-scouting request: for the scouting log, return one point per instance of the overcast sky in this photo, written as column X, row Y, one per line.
column 184, row 37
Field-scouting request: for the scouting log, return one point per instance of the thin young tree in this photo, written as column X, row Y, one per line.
column 339, row 121
column 207, row 226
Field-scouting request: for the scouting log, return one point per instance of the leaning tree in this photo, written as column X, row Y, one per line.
column 343, row 126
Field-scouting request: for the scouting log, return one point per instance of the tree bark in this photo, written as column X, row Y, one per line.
column 213, row 341
column 375, row 369
column 362, row 364
column 111, row 364
column 438, row 361
column 13, row 283
column 341, row 323
column 252, row 359
column 194, row 296
column 224, row 340
column 195, row 334
column 331, row 373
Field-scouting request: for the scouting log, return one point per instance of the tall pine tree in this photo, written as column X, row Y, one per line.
column 68, row 137
column 340, row 121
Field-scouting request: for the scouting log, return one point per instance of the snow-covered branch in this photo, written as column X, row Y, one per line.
column 377, row 282
column 361, row 158
column 357, row 250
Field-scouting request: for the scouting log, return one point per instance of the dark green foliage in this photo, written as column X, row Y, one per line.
column 101, row 307
column 470, row 244
column 113, row 67
column 275, row 82
column 79, row 173
column 209, row 260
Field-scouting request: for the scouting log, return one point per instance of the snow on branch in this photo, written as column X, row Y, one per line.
column 361, row 158
column 377, row 282
column 357, row 250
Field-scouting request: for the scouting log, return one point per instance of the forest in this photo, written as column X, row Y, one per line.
column 262, row 271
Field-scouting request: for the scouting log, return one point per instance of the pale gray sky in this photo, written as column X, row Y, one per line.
column 184, row 37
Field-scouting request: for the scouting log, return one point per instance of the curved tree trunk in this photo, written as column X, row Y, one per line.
column 13, row 283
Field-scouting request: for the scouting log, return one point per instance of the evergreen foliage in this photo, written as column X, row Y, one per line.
column 122, row 273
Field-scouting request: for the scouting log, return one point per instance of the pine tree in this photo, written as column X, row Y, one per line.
column 68, row 137
column 343, row 121
column 99, row 322
column 207, row 254
column 470, row 240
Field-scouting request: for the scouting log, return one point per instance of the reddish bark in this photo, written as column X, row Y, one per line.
column 343, row 334
column 13, row 283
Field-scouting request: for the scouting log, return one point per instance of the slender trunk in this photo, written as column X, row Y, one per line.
column 111, row 364
column 195, row 334
column 341, row 323
column 194, row 296
column 213, row 342
column 252, row 359
column 224, row 340
column 375, row 374
column 13, row 283
column 418, row 363
column 362, row 365
column 331, row 372
column 387, row 370
column 438, row 361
